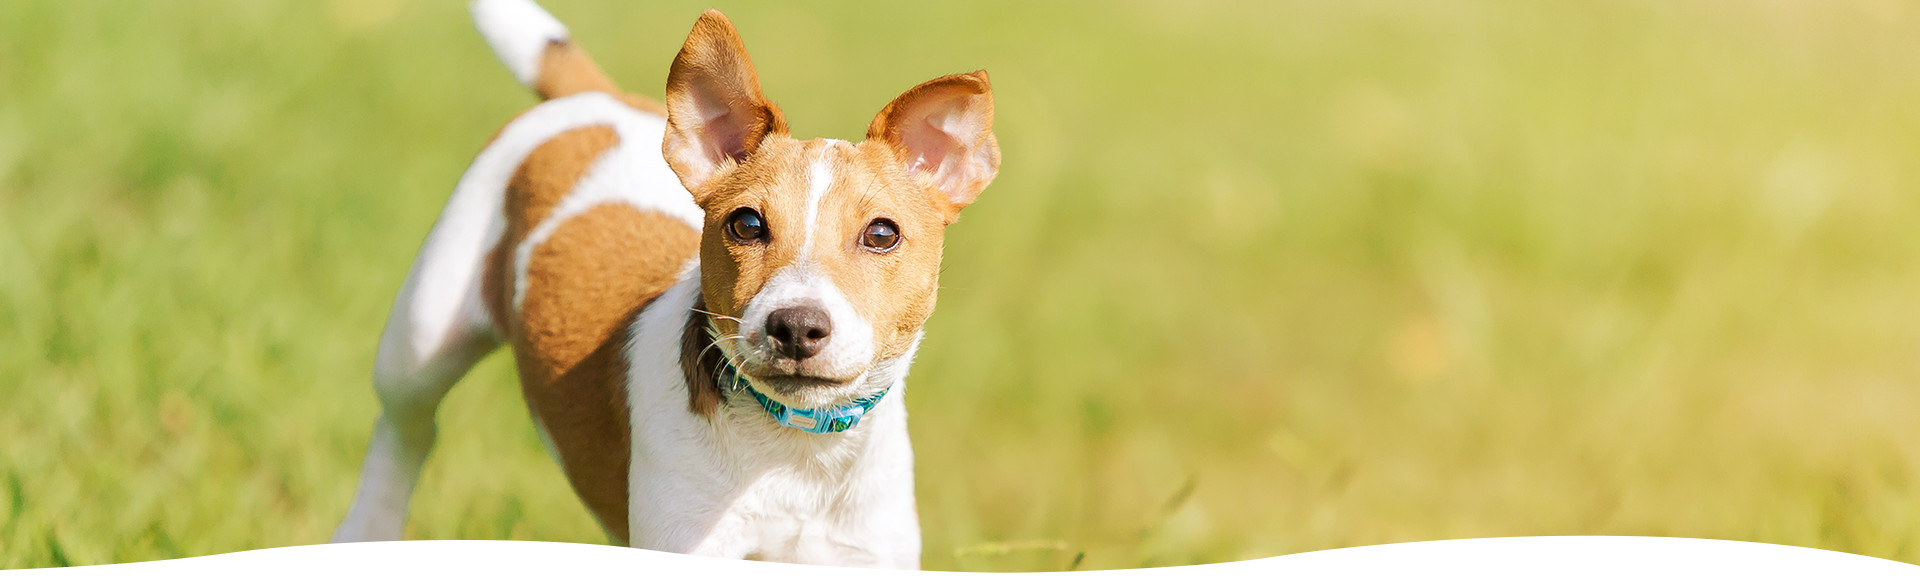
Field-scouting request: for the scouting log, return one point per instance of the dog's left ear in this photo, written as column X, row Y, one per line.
column 716, row 116
column 942, row 130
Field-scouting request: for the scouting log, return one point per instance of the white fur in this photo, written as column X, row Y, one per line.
column 820, row 179
column 439, row 326
column 740, row 485
column 518, row 31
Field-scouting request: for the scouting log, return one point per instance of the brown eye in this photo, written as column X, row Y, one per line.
column 746, row 225
column 881, row 235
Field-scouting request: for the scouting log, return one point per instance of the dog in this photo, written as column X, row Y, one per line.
column 712, row 320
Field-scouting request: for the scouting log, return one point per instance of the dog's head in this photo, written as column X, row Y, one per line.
column 819, row 259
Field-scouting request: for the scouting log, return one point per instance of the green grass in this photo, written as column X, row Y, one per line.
column 1256, row 278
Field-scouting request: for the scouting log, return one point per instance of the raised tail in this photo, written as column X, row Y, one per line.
column 537, row 49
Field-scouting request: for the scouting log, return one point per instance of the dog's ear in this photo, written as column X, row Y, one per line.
column 943, row 131
column 716, row 116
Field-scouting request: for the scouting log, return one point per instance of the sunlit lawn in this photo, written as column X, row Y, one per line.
column 1256, row 278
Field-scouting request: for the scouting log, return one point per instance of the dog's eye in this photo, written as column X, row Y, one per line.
column 881, row 235
column 746, row 225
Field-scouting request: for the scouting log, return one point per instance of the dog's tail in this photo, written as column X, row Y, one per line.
column 537, row 49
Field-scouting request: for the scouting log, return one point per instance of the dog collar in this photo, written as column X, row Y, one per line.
column 825, row 420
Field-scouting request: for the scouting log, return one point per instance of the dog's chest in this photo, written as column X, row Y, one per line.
column 840, row 504
column 792, row 519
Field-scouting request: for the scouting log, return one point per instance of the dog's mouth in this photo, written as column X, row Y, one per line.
column 802, row 390
column 801, row 372
column 789, row 384
column 786, row 375
column 807, row 392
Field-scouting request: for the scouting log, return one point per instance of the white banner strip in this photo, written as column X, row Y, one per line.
column 1491, row 558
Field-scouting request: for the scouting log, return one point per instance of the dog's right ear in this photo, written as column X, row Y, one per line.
column 716, row 116
column 943, row 131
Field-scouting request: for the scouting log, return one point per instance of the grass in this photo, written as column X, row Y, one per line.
column 1257, row 278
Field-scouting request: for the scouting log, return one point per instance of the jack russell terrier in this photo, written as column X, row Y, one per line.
column 712, row 320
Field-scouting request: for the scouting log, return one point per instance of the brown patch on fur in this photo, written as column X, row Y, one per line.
column 585, row 286
column 551, row 172
column 774, row 181
column 566, row 70
column 699, row 359
column 898, row 308
column 548, row 174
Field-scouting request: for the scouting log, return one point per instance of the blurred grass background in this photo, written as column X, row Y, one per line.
column 1257, row 277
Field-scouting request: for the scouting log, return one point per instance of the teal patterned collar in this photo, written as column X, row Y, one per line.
column 821, row 421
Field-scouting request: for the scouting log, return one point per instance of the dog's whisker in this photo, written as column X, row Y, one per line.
column 716, row 344
column 718, row 315
column 721, row 365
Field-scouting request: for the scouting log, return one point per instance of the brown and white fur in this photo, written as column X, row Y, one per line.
column 596, row 234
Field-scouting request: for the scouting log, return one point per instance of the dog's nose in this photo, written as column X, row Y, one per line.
column 798, row 332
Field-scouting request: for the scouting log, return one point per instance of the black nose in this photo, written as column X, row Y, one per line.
column 798, row 332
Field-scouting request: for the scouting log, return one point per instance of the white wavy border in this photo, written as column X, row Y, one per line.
column 1530, row 557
